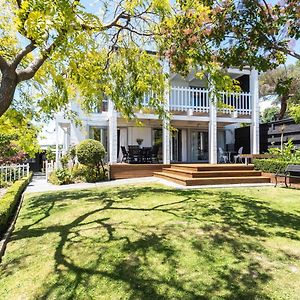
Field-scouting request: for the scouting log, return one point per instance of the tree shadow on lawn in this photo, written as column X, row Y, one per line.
column 149, row 265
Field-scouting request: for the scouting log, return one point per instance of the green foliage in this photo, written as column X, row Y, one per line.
column 287, row 153
column 65, row 160
column 72, row 153
column 283, row 83
column 271, row 165
column 269, row 114
column 19, row 127
column 79, row 52
column 213, row 35
column 294, row 112
column 60, row 177
column 10, row 200
column 281, row 158
column 50, row 155
column 91, row 153
column 82, row 173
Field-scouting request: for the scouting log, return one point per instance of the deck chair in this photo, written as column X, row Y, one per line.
column 222, row 156
column 238, row 156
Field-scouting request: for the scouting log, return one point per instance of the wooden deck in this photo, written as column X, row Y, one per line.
column 191, row 174
column 122, row 171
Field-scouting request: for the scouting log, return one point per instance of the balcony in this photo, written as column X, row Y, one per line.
column 184, row 99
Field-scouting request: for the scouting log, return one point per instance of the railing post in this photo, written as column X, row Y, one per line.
column 27, row 169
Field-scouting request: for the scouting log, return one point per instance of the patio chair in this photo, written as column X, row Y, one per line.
column 125, row 154
column 238, row 156
column 134, row 153
column 222, row 156
column 154, row 153
column 146, row 155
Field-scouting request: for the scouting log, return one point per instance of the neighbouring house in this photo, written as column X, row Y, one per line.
column 202, row 127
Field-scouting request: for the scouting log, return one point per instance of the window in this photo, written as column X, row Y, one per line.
column 99, row 134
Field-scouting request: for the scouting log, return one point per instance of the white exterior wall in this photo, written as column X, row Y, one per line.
column 144, row 133
column 130, row 133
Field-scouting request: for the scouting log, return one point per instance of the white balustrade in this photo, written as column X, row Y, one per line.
column 197, row 100
column 235, row 101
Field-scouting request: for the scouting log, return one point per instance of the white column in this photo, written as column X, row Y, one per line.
column 112, row 133
column 166, row 123
column 57, row 145
column 212, row 130
column 254, row 129
column 166, row 142
column 184, row 144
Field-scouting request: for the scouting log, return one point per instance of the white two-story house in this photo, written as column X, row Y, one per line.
column 202, row 127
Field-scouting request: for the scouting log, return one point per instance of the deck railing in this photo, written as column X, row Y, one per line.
column 197, row 100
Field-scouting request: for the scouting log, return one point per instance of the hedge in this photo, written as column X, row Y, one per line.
column 272, row 165
column 10, row 200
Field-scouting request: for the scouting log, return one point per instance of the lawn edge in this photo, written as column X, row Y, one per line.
column 4, row 241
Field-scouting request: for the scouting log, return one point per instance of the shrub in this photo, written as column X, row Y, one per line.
column 91, row 153
column 272, row 165
column 85, row 173
column 60, row 177
column 10, row 200
column 64, row 160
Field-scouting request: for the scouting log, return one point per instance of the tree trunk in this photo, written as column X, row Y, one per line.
column 7, row 90
column 283, row 106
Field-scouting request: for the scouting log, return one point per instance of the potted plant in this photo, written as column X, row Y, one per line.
column 139, row 141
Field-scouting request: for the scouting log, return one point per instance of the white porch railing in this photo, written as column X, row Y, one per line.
column 11, row 173
column 197, row 100
column 187, row 98
column 239, row 102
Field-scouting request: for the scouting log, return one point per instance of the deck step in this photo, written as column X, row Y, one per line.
column 201, row 174
column 211, row 180
column 211, row 167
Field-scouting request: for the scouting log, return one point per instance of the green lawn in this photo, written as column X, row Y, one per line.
column 151, row 242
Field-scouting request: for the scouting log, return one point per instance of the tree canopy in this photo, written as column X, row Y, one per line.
column 284, row 84
column 219, row 34
column 53, row 51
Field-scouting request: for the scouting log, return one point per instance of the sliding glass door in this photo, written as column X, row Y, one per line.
column 199, row 146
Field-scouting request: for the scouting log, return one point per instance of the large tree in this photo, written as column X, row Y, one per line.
column 284, row 84
column 51, row 51
column 218, row 34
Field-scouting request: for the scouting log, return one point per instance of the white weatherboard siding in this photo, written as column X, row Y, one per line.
column 192, row 113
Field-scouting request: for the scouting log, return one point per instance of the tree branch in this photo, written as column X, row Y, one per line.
column 34, row 66
column 3, row 64
column 29, row 48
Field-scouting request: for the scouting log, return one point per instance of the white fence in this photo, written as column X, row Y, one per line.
column 11, row 173
column 49, row 167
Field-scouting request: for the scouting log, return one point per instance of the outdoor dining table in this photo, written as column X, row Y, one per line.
column 139, row 155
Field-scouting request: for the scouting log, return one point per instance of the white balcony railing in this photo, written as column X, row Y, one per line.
column 197, row 100
column 239, row 102
column 186, row 98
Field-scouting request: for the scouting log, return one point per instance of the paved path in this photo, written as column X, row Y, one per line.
column 39, row 184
